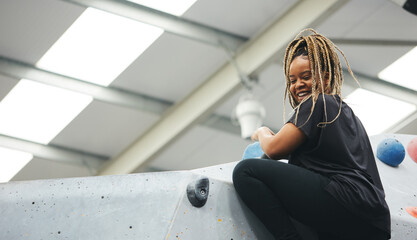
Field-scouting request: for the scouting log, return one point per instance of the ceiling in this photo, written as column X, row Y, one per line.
column 177, row 83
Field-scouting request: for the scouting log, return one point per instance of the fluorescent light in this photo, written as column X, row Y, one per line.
column 11, row 162
column 402, row 71
column 377, row 112
column 177, row 7
column 38, row 112
column 98, row 47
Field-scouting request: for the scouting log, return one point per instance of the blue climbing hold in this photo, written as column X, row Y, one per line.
column 253, row 150
column 390, row 151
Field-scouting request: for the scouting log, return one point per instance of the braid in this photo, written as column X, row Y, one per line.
column 324, row 64
column 289, row 55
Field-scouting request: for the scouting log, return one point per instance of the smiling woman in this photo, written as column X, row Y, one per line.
column 331, row 182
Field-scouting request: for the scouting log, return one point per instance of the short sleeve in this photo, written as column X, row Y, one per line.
column 306, row 120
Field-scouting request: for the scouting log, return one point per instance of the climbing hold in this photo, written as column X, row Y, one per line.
column 253, row 150
column 412, row 149
column 390, row 151
column 198, row 191
column 412, row 211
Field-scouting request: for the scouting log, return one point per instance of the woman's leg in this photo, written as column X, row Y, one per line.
column 274, row 191
column 261, row 199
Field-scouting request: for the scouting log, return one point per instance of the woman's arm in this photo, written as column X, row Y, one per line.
column 280, row 145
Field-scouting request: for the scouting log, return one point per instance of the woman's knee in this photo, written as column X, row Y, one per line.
column 239, row 170
column 242, row 170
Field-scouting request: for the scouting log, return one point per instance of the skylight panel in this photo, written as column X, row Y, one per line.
column 403, row 71
column 38, row 112
column 377, row 112
column 177, row 8
column 11, row 162
column 98, row 47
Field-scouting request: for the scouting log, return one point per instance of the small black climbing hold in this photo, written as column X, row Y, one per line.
column 33, row 202
column 198, row 192
column 130, row 227
column 59, row 232
column 411, row 6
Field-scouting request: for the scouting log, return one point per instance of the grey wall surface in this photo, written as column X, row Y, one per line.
column 155, row 205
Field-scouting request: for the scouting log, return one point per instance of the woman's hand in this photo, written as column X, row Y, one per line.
column 280, row 145
column 263, row 131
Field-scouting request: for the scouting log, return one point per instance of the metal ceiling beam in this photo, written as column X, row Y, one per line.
column 201, row 102
column 383, row 87
column 19, row 70
column 168, row 22
column 54, row 153
column 403, row 124
column 375, row 42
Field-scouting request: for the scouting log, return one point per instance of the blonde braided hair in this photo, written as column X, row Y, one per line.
column 324, row 61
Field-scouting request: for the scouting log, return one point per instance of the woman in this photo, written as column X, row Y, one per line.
column 331, row 182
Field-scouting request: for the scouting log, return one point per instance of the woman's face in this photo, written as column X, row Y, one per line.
column 300, row 78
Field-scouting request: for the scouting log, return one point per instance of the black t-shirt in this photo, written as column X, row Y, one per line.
column 341, row 151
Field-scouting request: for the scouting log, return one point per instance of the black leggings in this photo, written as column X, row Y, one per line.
column 277, row 191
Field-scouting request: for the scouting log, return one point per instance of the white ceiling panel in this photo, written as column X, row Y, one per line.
column 241, row 17
column 29, row 28
column 104, row 129
column 39, row 168
column 349, row 17
column 388, row 21
column 200, row 147
column 221, row 148
column 370, row 60
column 171, row 68
column 371, row 19
column 179, row 151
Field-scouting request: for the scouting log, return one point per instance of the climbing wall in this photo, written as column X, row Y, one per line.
column 400, row 186
column 197, row 204
column 134, row 206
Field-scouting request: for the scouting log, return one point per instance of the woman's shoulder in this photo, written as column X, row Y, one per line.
column 327, row 101
column 324, row 104
column 322, row 101
column 328, row 98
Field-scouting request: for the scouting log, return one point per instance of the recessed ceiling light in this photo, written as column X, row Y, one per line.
column 377, row 112
column 402, row 71
column 11, row 162
column 98, row 47
column 178, row 7
column 38, row 112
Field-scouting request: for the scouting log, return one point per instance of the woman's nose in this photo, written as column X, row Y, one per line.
column 299, row 84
